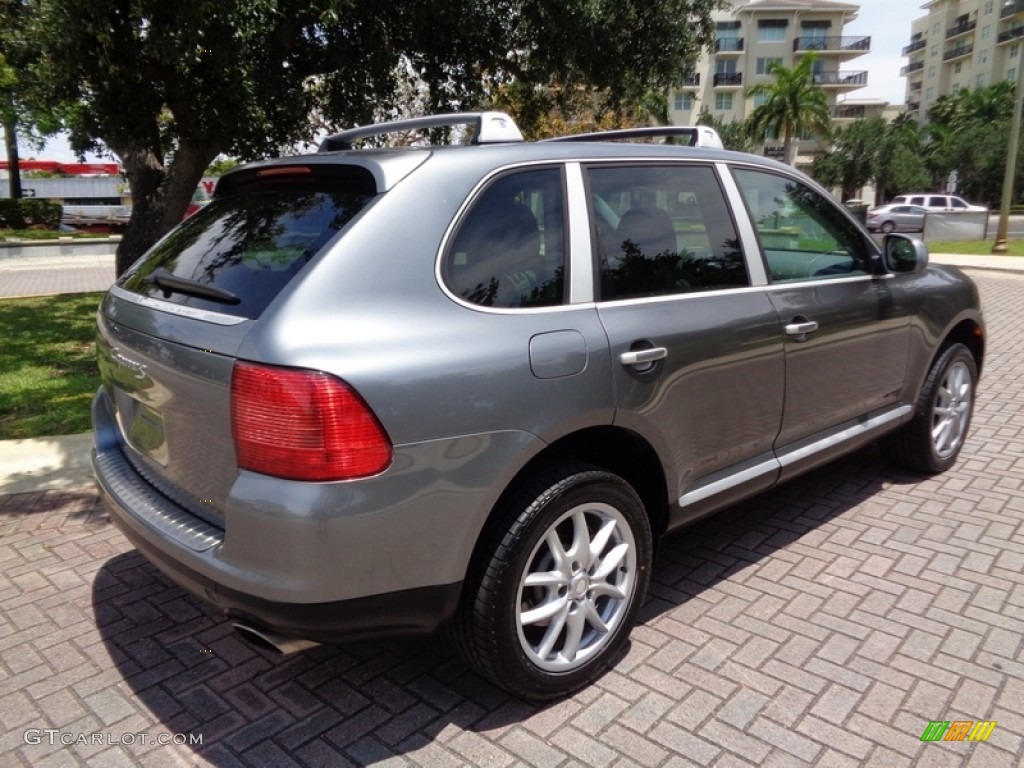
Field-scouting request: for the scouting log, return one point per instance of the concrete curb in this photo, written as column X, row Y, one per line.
column 45, row 463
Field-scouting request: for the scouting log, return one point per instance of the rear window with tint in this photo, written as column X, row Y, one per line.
column 236, row 255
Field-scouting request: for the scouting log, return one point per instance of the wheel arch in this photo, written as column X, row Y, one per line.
column 969, row 333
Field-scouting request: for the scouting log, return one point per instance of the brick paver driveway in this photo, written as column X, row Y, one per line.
column 825, row 623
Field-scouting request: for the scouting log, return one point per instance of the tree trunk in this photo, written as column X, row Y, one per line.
column 13, row 161
column 160, row 195
column 789, row 148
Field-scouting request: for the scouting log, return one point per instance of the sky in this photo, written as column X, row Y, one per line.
column 886, row 21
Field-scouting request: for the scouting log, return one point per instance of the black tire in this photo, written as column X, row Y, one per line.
column 932, row 440
column 887, row 227
column 504, row 622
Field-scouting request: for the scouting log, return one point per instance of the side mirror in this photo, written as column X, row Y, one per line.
column 904, row 254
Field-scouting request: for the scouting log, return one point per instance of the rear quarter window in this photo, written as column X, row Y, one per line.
column 250, row 241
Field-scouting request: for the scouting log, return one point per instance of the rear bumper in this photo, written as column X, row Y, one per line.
column 191, row 553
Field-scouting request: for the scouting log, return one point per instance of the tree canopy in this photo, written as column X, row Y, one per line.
column 168, row 87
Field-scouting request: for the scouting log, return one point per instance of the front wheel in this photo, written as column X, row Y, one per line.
column 888, row 227
column 559, row 583
column 932, row 440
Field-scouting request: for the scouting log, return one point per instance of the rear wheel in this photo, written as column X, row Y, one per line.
column 887, row 227
column 558, row 583
column 932, row 440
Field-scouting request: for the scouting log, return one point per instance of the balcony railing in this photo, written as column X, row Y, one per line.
column 916, row 86
column 1010, row 34
column 832, row 43
column 693, row 79
column 961, row 29
column 728, row 78
column 958, row 52
column 915, row 45
column 849, row 112
column 841, row 78
column 729, row 45
column 913, row 106
column 913, row 66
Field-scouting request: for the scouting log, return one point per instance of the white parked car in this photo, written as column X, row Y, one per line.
column 935, row 202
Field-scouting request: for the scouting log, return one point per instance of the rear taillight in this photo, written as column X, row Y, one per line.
column 303, row 425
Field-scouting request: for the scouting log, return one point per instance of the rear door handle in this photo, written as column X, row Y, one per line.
column 643, row 356
column 802, row 328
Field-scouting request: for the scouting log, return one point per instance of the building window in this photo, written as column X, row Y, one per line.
column 1011, row 74
column 937, row 28
column 771, row 30
column 684, row 101
column 931, row 73
column 956, row 88
column 930, row 93
column 983, row 57
column 1013, row 51
column 979, row 81
column 986, row 32
column 958, row 67
column 988, row 7
column 723, row 101
column 759, row 99
column 764, row 63
column 935, row 50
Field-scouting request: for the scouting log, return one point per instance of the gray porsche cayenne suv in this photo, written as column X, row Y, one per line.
column 386, row 391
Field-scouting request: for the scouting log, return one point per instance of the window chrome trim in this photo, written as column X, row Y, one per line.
column 745, row 230
column 581, row 251
column 206, row 315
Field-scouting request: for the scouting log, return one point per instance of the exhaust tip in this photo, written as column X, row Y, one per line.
column 265, row 638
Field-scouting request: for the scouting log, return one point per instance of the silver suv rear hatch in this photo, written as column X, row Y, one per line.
column 170, row 329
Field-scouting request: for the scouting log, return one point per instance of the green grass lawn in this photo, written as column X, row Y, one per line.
column 46, row 234
column 47, row 364
column 976, row 247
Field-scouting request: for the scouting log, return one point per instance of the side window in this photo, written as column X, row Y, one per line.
column 938, row 202
column 662, row 230
column 509, row 249
column 919, row 200
column 804, row 234
column 956, row 202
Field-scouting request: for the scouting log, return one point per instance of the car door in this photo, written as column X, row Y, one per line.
column 846, row 331
column 696, row 349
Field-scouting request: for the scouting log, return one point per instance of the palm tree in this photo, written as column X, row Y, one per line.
column 793, row 105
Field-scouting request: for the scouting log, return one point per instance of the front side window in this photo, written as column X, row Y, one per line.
column 803, row 234
column 938, row 202
column 509, row 249
column 956, row 202
column 662, row 230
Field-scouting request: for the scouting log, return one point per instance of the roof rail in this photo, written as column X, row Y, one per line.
column 491, row 128
column 697, row 135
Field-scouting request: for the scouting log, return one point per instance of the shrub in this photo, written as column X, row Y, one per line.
column 26, row 212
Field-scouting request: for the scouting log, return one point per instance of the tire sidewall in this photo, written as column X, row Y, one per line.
column 954, row 354
column 535, row 521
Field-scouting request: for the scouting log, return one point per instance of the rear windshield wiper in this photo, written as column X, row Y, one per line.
column 173, row 283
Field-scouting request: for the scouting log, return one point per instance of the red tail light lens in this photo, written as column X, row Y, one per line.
column 303, row 425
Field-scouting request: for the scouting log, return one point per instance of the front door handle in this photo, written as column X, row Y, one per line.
column 801, row 328
column 643, row 356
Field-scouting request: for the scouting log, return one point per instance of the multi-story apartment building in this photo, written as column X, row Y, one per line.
column 753, row 34
column 960, row 44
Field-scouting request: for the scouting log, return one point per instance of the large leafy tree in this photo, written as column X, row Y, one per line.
column 968, row 132
column 793, row 105
column 850, row 164
column 170, row 86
